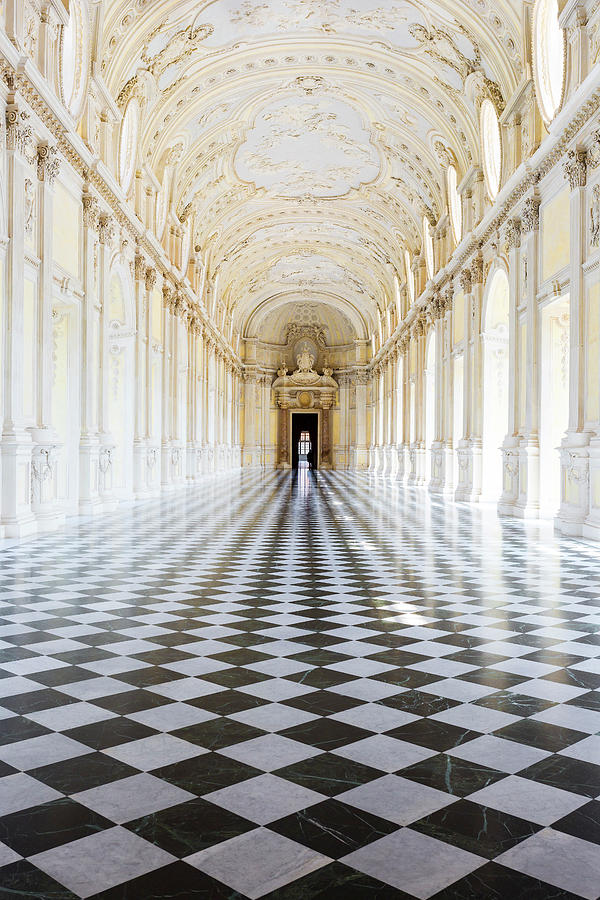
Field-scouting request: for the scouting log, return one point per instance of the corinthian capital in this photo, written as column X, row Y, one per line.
column 107, row 230
column 48, row 163
column 513, row 234
column 18, row 132
column 465, row 280
column 576, row 168
column 530, row 220
column 91, row 211
column 150, row 278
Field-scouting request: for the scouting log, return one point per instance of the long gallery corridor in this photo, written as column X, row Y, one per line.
column 300, row 685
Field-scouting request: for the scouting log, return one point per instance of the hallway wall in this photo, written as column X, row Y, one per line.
column 125, row 371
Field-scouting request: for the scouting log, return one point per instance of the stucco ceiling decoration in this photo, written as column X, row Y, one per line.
column 308, row 146
column 310, row 133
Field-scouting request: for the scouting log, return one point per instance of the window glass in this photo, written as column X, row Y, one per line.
column 128, row 143
column 455, row 204
column 491, row 147
column 428, row 246
column 549, row 58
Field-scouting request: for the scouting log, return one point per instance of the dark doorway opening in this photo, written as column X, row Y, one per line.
column 303, row 425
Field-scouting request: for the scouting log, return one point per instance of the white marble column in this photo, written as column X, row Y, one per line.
column 16, row 446
column 528, row 503
column 510, row 445
column 46, row 440
column 574, row 451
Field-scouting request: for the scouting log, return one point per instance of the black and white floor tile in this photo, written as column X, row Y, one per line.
column 278, row 686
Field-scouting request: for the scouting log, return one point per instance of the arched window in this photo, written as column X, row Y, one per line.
column 162, row 204
column 130, row 127
column 74, row 60
column 410, row 279
column 428, row 246
column 491, row 147
column 454, row 204
column 548, row 41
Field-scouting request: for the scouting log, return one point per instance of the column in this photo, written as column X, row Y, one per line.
column 436, row 482
column 510, row 445
column 16, row 447
column 575, row 450
column 325, row 437
column 361, row 380
column 475, row 426
column 89, row 443
column 152, row 441
column 528, row 503
column 46, row 440
column 106, row 233
column 168, row 364
column 250, row 450
column 140, row 439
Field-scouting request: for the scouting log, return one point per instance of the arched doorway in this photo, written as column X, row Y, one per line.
column 495, row 382
column 305, row 439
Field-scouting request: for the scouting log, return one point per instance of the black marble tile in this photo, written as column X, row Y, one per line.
column 218, row 733
column 88, row 772
column 321, row 678
column 323, row 703
column 109, row 733
column 328, row 773
column 178, row 881
column 477, row 829
column 566, row 773
column 583, row 823
column 433, row 734
column 540, row 734
column 452, row 775
column 419, row 703
column 189, row 827
column 333, row 828
column 40, row 828
column 207, row 773
column 337, row 882
column 514, row 704
column 325, row 734
column 23, row 879
column 497, row 882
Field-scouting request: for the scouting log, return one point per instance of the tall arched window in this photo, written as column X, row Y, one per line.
column 491, row 147
column 454, row 204
column 548, row 40
column 130, row 127
column 428, row 247
column 74, row 60
column 162, row 204
column 410, row 279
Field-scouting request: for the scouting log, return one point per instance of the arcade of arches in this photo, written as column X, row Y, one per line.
column 194, row 194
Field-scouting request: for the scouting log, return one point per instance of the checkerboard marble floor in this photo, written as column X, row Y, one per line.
column 304, row 686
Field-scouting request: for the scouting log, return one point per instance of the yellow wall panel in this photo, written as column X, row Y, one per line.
column 157, row 316
column 66, row 230
column 273, row 426
column 592, row 404
column 29, row 349
column 459, row 318
column 522, row 357
column 555, row 234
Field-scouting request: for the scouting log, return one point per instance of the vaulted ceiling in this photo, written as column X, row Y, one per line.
column 307, row 139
